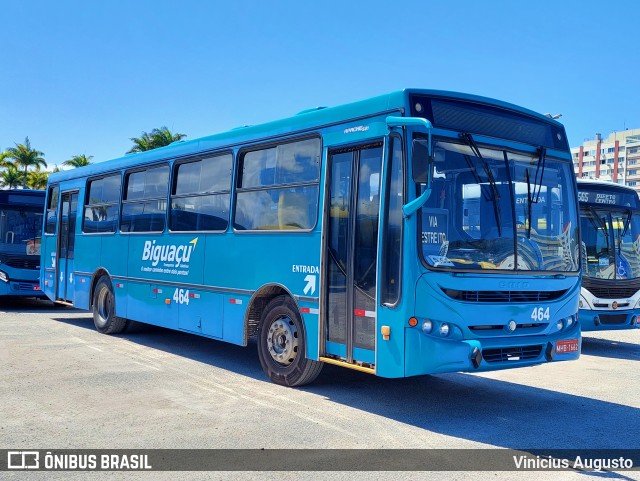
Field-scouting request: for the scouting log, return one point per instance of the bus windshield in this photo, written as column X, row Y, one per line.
column 495, row 209
column 611, row 242
column 20, row 230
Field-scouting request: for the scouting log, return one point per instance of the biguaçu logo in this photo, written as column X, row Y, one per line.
column 168, row 253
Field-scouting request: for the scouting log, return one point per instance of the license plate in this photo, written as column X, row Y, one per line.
column 567, row 346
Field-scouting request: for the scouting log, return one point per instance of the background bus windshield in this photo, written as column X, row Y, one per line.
column 20, row 230
column 611, row 242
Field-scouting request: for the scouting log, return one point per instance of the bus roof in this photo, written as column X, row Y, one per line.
column 303, row 121
column 22, row 196
column 585, row 183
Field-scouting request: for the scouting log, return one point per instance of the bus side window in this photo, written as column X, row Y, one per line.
column 52, row 209
column 200, row 195
column 278, row 187
column 145, row 200
column 101, row 205
column 392, row 226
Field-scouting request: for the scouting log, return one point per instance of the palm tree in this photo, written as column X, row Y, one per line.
column 157, row 138
column 11, row 177
column 37, row 179
column 24, row 156
column 78, row 161
column 3, row 159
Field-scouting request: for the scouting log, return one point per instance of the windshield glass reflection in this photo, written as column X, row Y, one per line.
column 494, row 209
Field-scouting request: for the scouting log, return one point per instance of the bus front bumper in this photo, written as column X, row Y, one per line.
column 429, row 355
column 608, row 320
column 20, row 289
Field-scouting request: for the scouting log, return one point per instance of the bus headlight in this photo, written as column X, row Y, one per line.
column 444, row 329
column 638, row 304
column 427, row 326
column 560, row 324
column 570, row 321
column 4, row 277
column 583, row 303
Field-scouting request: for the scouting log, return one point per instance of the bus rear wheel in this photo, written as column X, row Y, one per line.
column 104, row 309
column 281, row 345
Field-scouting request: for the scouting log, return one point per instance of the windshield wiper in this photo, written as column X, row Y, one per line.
column 624, row 230
column 468, row 139
column 535, row 198
column 542, row 160
column 529, row 202
column 595, row 217
column 627, row 223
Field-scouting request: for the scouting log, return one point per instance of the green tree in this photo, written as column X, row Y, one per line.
column 78, row 161
column 157, row 138
column 23, row 155
column 4, row 161
column 11, row 177
column 37, row 179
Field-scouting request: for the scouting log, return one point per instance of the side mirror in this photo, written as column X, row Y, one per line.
column 422, row 162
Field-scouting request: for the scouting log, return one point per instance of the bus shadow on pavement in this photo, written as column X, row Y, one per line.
column 43, row 306
column 489, row 411
column 592, row 346
column 209, row 351
column 479, row 409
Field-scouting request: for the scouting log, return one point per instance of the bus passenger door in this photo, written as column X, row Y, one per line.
column 350, row 254
column 66, row 246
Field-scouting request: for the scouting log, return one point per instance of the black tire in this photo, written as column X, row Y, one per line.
column 281, row 345
column 104, row 308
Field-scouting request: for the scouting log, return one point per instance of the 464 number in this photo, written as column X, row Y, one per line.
column 540, row 314
column 181, row 296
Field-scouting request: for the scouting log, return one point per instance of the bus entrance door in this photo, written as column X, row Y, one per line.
column 66, row 245
column 350, row 254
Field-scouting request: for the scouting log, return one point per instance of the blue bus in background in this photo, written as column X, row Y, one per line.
column 610, row 232
column 341, row 235
column 21, row 215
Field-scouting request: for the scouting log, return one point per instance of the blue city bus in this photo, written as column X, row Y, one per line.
column 21, row 214
column 339, row 235
column 610, row 234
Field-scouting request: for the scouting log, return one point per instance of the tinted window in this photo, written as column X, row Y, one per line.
column 277, row 209
column 145, row 204
column 200, row 198
column 392, row 253
column 101, row 205
column 52, row 206
column 278, row 187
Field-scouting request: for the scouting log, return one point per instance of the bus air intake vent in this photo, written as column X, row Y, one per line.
column 612, row 292
column 611, row 288
column 23, row 263
column 503, row 296
column 613, row 318
column 506, row 354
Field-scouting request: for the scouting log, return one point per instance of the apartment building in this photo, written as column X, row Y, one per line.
column 615, row 159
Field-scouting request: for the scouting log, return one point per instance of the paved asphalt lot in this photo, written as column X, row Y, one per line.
column 65, row 386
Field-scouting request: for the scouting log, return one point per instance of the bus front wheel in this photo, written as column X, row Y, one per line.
column 281, row 345
column 104, row 308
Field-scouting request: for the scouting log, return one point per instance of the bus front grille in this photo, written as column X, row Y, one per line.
column 613, row 318
column 23, row 263
column 612, row 292
column 611, row 288
column 505, row 354
column 503, row 296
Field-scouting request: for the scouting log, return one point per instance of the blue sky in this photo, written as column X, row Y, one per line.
column 82, row 77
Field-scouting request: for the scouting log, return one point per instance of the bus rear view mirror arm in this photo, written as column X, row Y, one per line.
column 421, row 159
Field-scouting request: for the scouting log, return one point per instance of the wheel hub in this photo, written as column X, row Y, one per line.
column 282, row 341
